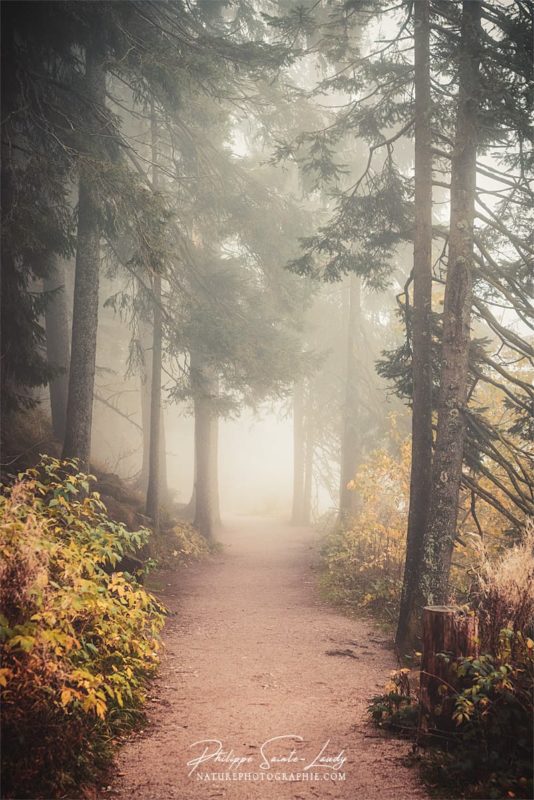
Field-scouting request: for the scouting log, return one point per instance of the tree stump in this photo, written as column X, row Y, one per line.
column 448, row 633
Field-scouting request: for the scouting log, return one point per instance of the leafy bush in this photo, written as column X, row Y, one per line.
column 396, row 708
column 363, row 562
column 490, row 753
column 80, row 640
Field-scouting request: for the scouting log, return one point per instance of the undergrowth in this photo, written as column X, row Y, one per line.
column 179, row 544
column 489, row 752
column 362, row 559
column 80, row 640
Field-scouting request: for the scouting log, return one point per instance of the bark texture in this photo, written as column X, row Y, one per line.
column 79, row 419
column 421, row 468
column 350, row 435
column 448, row 454
column 57, row 345
column 445, row 630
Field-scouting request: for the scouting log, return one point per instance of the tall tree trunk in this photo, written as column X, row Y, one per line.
column 205, row 492
column 421, row 469
column 214, row 463
column 145, row 380
column 297, row 512
column 203, row 520
column 79, row 418
column 154, row 456
column 144, row 388
column 210, row 424
column 350, row 435
column 153, row 494
column 57, row 345
column 448, row 454
column 308, row 469
column 189, row 510
column 163, row 480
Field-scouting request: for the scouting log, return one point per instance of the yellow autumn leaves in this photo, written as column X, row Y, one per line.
column 79, row 638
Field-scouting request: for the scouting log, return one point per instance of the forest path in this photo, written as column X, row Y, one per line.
column 246, row 661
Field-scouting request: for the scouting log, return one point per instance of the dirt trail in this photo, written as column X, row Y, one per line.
column 245, row 662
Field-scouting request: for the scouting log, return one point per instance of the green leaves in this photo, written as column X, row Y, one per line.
column 79, row 640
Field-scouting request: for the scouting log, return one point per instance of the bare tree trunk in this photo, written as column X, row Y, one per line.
column 153, row 494
column 205, row 493
column 350, row 436
column 79, row 418
column 421, row 469
column 448, row 454
column 203, row 520
column 308, row 469
column 214, row 464
column 57, row 345
column 204, row 505
column 189, row 510
column 154, row 457
column 144, row 387
column 145, row 391
column 297, row 512
column 163, row 481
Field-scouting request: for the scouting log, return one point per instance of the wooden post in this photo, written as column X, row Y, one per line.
column 448, row 633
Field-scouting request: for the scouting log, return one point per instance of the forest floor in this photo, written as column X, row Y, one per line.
column 247, row 665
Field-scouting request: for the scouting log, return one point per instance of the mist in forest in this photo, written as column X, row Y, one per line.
column 267, row 280
column 255, row 449
column 226, row 254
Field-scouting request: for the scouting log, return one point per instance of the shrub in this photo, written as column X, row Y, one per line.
column 490, row 753
column 363, row 561
column 397, row 708
column 80, row 640
column 180, row 544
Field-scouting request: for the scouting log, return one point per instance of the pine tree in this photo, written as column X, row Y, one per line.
column 37, row 155
column 440, row 533
column 154, row 453
column 79, row 418
column 421, row 465
column 375, row 216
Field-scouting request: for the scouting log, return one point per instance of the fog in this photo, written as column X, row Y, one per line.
column 266, row 349
column 256, row 454
column 250, row 274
